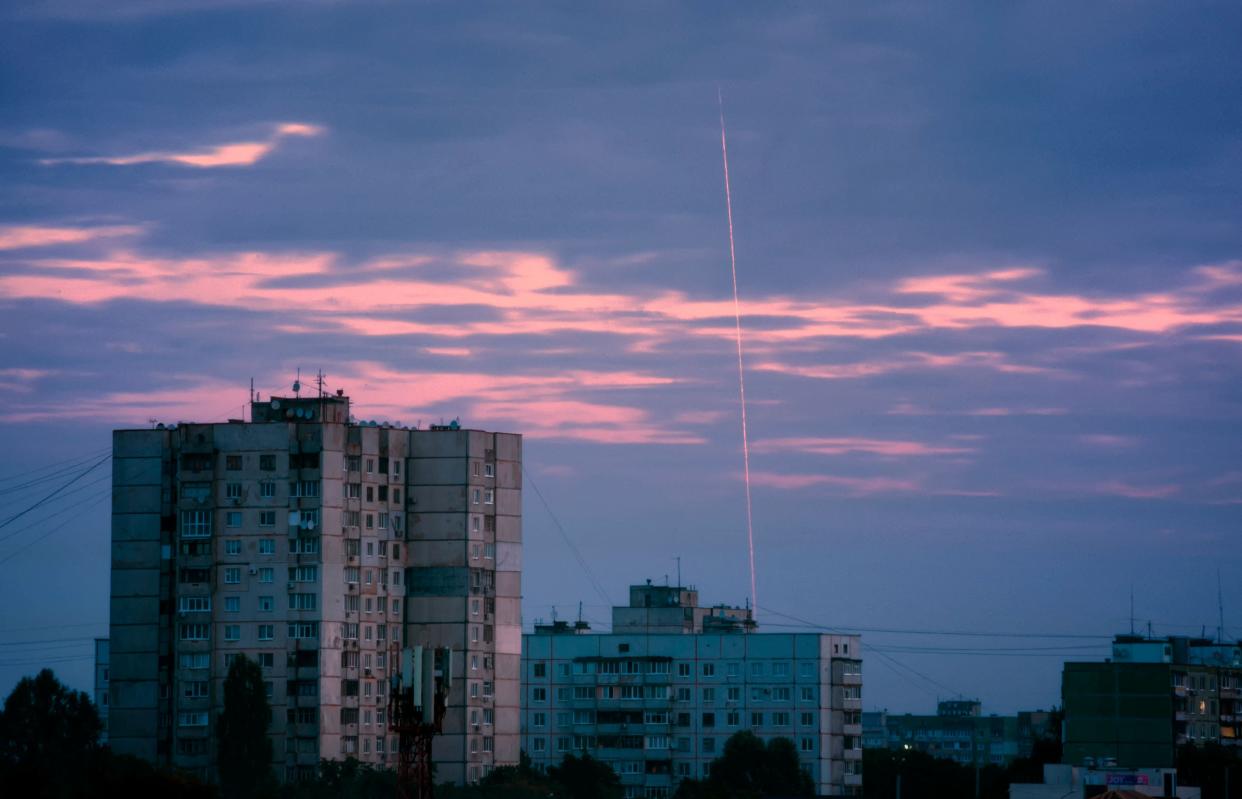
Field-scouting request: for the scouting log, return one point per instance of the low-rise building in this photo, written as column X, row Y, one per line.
column 959, row 731
column 658, row 697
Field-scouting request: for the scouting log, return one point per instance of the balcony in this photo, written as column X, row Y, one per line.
column 851, row 729
column 851, row 679
column 853, row 754
column 853, row 779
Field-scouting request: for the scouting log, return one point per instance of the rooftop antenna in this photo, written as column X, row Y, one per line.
column 678, row 559
column 319, row 382
column 252, row 398
column 579, row 611
column 1131, row 608
column 1149, row 628
column 297, row 385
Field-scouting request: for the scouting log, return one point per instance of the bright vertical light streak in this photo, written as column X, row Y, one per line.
column 741, row 375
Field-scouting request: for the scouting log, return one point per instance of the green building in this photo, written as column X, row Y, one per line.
column 1151, row 697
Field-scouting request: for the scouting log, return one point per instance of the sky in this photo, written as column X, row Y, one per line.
column 988, row 257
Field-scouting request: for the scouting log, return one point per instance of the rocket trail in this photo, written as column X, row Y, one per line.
column 741, row 376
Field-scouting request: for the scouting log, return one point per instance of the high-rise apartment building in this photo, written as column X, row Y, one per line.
column 658, row 697
column 1154, row 695
column 317, row 546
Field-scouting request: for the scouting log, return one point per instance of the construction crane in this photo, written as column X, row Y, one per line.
column 417, row 697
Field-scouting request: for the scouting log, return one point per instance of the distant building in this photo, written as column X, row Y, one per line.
column 1152, row 696
column 318, row 546
column 658, row 697
column 959, row 731
column 101, row 684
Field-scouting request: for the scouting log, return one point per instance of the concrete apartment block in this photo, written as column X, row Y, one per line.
column 465, row 588
column 291, row 539
column 658, row 705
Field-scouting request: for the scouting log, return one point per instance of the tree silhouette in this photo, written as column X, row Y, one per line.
column 245, row 751
column 49, row 739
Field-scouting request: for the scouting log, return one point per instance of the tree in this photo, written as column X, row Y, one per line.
column 584, row 777
column 245, row 751
column 44, row 728
column 749, row 768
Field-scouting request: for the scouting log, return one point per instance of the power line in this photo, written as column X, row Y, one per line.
column 46, row 535
column 66, row 466
column 63, row 510
column 958, row 633
column 599, row 589
column 75, row 478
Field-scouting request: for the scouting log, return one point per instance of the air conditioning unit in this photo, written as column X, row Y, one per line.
column 292, row 585
column 254, row 570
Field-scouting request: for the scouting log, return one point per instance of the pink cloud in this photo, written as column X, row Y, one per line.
column 1108, row 441
column 843, row 446
column 1119, row 488
column 855, row 486
column 27, row 236
column 245, row 153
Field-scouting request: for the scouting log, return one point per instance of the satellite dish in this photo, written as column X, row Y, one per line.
column 275, row 404
column 289, row 413
column 297, row 386
column 310, row 524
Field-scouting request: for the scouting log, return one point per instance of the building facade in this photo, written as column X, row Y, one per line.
column 102, row 674
column 960, row 732
column 657, row 698
column 1151, row 697
column 318, row 547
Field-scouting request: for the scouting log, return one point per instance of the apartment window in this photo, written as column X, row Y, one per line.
column 709, row 694
column 267, row 518
column 489, row 551
column 370, row 493
column 195, row 718
column 266, row 660
column 735, row 694
column 383, row 521
column 806, row 744
column 536, row 694
column 351, row 575
column 474, row 607
column 807, row 694
column 232, row 604
column 489, row 716
column 733, row 718
column 233, row 519
column 475, row 551
column 349, row 631
column 232, row 546
column 303, row 574
column 709, row 745
column 396, row 550
column 806, row 669
column 233, row 462
column 303, row 546
column 382, row 493
column 370, row 465
column 396, row 495
column 232, row 632
column 195, row 523
column 304, row 629
column 396, row 606
column 489, row 470
column 267, row 604
column 233, row 491
column 780, row 719
column 683, row 669
column 267, row 546
column 683, row 695
column 232, row 575
column 709, row 719
column 756, row 669
column 192, row 604
column 195, row 632
column 474, row 524
column 659, row 742
column 267, row 632
column 370, row 520
column 756, row 719
column 474, row 496
column 489, row 497
column 780, row 694
column 266, row 574
column 368, row 574
column 709, row 669
column 806, row 719
column 353, row 490
column 539, row 719
column 541, row 744
column 733, row 668
column 353, row 547
column 267, row 463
